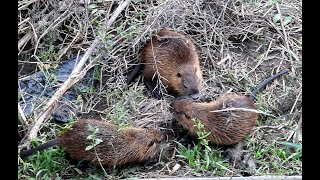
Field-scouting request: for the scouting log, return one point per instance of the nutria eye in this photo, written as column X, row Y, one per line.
column 179, row 75
column 187, row 116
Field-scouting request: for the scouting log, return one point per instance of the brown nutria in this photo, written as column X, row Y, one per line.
column 119, row 146
column 175, row 58
column 229, row 118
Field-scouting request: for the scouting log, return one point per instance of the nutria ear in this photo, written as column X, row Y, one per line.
column 187, row 115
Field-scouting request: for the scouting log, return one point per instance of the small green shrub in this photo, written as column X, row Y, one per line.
column 201, row 156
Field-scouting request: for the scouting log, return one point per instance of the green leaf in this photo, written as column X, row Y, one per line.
column 181, row 156
column 89, row 147
column 90, row 127
column 276, row 18
column 207, row 161
column 258, row 154
column 92, row 6
column 78, row 170
column 208, row 148
column 90, row 136
column 298, row 146
column 98, row 141
column 96, row 130
column 287, row 20
column 204, row 135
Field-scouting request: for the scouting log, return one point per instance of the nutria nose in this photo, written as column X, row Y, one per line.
column 194, row 91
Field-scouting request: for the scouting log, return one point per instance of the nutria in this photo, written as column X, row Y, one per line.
column 226, row 127
column 176, row 59
column 120, row 146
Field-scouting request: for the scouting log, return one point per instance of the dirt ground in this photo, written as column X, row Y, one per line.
column 240, row 43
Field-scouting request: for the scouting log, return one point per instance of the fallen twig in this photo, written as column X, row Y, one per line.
column 117, row 12
column 22, row 116
column 243, row 109
column 284, row 34
column 295, row 102
column 224, row 59
column 23, row 41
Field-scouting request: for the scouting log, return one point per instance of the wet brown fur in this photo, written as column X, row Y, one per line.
column 227, row 127
column 119, row 147
column 177, row 61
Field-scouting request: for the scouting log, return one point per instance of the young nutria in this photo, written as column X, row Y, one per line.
column 176, row 60
column 226, row 127
column 119, row 146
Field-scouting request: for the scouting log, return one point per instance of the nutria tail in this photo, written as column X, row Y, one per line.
column 38, row 148
column 134, row 73
column 265, row 83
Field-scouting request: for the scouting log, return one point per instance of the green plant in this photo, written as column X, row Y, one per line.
column 295, row 155
column 96, row 73
column 92, row 6
column 94, row 142
column 201, row 156
column 48, row 162
column 289, row 144
column 118, row 114
column 92, row 137
column 43, row 164
column 277, row 158
column 261, row 107
column 286, row 20
column 48, row 55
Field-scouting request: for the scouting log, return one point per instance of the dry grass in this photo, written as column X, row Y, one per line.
column 240, row 46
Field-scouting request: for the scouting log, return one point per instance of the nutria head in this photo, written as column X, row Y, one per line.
column 156, row 139
column 183, row 111
column 146, row 142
